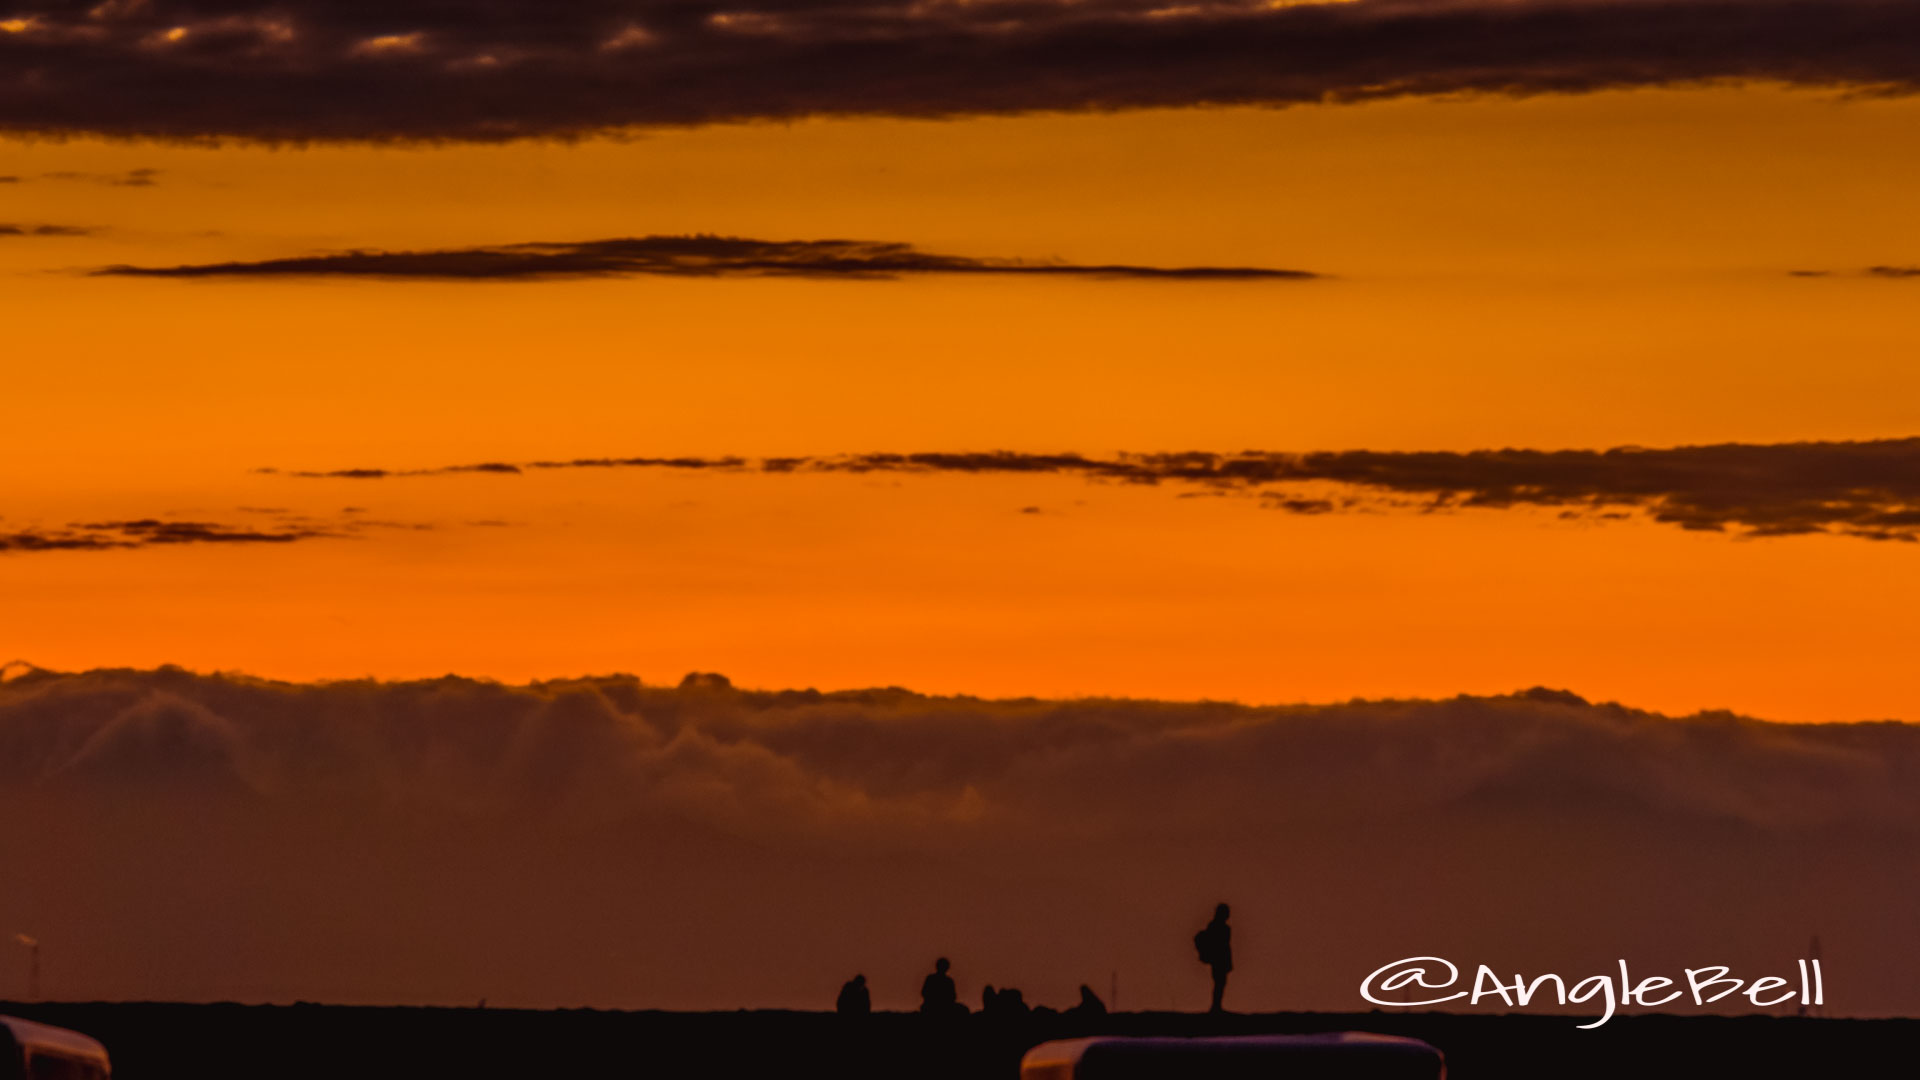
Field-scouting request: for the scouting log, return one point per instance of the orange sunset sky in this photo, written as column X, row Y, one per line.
column 1550, row 273
column 1299, row 355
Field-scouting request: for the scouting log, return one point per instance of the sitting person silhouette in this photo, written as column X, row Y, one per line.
column 937, row 994
column 854, row 999
column 1215, row 946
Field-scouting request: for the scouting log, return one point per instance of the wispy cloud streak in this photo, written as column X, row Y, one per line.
column 1868, row 489
column 676, row 256
column 13, row 230
column 126, row 534
column 505, row 468
column 126, row 178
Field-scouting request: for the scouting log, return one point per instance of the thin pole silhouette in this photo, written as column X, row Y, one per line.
column 1806, row 1008
column 33, row 965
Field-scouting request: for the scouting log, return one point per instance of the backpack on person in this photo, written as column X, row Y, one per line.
column 1207, row 943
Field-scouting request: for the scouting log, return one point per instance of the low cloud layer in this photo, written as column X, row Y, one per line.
column 1868, row 489
column 891, row 762
column 414, row 69
column 604, row 841
column 676, row 256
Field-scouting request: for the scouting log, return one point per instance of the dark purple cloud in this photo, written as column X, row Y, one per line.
column 497, row 69
column 677, row 256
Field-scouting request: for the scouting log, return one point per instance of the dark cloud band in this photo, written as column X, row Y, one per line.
column 1868, row 489
column 498, row 69
column 677, row 256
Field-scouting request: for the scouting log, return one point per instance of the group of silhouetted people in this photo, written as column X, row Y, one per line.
column 940, row 997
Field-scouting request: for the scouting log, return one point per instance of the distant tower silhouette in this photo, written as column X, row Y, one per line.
column 33, row 965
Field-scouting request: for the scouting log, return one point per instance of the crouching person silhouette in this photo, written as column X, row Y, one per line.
column 1090, row 1005
column 854, row 999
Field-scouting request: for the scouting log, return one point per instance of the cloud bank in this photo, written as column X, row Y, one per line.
column 1866, row 489
column 499, row 69
column 607, row 841
column 890, row 762
column 676, row 256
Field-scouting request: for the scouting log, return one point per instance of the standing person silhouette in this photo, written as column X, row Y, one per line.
column 938, row 997
column 1215, row 946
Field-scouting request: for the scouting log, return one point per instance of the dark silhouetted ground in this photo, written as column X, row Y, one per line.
column 297, row 1042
